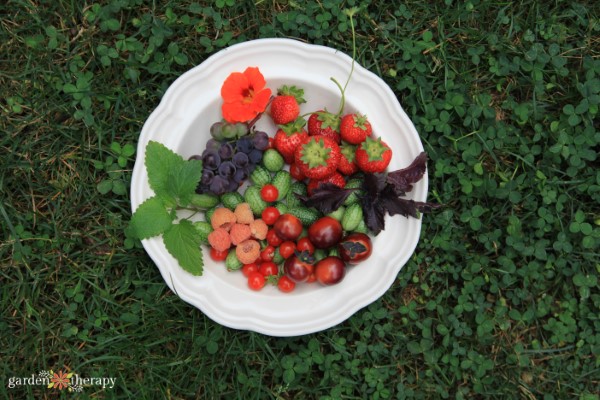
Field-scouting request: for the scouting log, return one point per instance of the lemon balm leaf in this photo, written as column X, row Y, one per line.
column 172, row 178
column 151, row 218
column 183, row 242
column 184, row 180
column 160, row 162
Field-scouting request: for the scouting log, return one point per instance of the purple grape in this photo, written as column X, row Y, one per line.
column 240, row 175
column 244, row 145
column 240, row 159
column 233, row 186
column 225, row 151
column 219, row 185
column 213, row 144
column 195, row 157
column 207, row 177
column 227, row 169
column 211, row 159
column 260, row 140
column 255, row 156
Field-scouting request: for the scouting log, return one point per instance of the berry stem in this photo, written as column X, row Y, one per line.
column 350, row 13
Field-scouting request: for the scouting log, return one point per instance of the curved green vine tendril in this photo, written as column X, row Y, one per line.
column 350, row 13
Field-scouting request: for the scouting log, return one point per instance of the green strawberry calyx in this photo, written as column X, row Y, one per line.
column 360, row 121
column 374, row 148
column 294, row 91
column 294, row 126
column 348, row 151
column 328, row 120
column 315, row 153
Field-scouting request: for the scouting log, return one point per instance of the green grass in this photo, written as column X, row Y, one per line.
column 501, row 298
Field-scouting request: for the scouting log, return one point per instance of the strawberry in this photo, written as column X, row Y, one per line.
column 285, row 107
column 373, row 155
column 296, row 173
column 336, row 178
column 354, row 128
column 318, row 157
column 289, row 137
column 324, row 123
column 347, row 166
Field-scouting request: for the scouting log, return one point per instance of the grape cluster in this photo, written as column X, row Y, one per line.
column 228, row 163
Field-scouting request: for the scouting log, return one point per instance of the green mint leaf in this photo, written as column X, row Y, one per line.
column 183, row 242
column 151, row 218
column 172, row 178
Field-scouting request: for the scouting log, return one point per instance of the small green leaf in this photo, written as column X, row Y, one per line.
column 183, row 242
column 151, row 218
column 119, row 187
column 115, row 147
column 105, row 186
column 128, row 150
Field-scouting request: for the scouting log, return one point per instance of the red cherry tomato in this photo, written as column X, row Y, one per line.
column 355, row 247
column 273, row 239
column 288, row 227
column 268, row 268
column 218, row 255
column 330, row 270
column 247, row 269
column 270, row 215
column 285, row 284
column 269, row 193
column 256, row 280
column 267, row 253
column 304, row 244
column 298, row 267
column 287, row 248
column 325, row 232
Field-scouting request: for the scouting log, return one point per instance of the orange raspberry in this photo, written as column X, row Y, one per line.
column 248, row 251
column 243, row 213
column 219, row 239
column 259, row 229
column 223, row 218
column 239, row 233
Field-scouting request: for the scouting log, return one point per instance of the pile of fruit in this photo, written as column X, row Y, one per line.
column 265, row 194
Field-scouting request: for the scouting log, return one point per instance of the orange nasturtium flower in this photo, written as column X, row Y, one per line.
column 244, row 95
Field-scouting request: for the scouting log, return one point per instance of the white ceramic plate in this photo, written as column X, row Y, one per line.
column 182, row 121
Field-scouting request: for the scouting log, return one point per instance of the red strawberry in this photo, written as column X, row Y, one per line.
column 289, row 137
column 285, row 107
column 347, row 166
column 296, row 173
column 336, row 178
column 355, row 128
column 373, row 155
column 318, row 157
column 324, row 123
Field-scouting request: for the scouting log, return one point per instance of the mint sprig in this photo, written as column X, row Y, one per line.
column 173, row 180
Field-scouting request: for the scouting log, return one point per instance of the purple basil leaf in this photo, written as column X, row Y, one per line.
column 373, row 214
column 407, row 207
column 403, row 179
column 326, row 198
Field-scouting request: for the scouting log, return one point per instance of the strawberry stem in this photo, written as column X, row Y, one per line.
column 350, row 13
